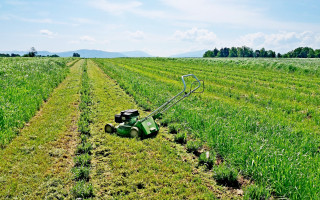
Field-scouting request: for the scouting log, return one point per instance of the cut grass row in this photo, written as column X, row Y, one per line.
column 24, row 84
column 280, row 109
column 292, row 103
column 126, row 168
column 81, row 169
column 37, row 163
column 260, row 142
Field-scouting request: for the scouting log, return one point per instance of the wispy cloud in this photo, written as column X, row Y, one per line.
column 87, row 38
column 115, row 8
column 281, row 41
column 137, row 35
column 47, row 33
column 84, row 21
column 195, row 35
column 214, row 11
column 32, row 20
column 132, row 7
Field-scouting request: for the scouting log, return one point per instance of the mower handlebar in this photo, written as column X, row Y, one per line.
column 184, row 83
column 171, row 102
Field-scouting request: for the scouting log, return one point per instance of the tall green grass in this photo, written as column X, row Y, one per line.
column 81, row 170
column 260, row 115
column 24, row 84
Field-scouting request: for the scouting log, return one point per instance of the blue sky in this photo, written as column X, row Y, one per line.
column 159, row 27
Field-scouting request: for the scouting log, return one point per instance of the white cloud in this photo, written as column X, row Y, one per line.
column 87, row 38
column 282, row 41
column 229, row 11
column 137, row 35
column 195, row 35
column 47, row 33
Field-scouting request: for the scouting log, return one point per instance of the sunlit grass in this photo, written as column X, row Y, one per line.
column 260, row 115
column 24, row 84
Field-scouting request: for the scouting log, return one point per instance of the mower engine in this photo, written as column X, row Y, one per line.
column 131, row 126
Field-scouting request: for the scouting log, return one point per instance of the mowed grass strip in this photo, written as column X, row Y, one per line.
column 265, row 143
column 25, row 83
column 37, row 163
column 126, row 168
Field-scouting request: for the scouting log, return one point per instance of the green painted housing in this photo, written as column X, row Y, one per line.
column 147, row 127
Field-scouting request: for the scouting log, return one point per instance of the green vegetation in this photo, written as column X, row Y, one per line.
column 226, row 175
column 256, row 192
column 82, row 188
column 25, row 83
column 126, row 168
column 260, row 115
column 38, row 161
column 207, row 158
column 301, row 52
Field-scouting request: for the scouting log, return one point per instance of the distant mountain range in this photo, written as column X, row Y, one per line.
column 87, row 53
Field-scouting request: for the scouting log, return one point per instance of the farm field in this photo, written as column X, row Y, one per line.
column 25, row 83
column 259, row 118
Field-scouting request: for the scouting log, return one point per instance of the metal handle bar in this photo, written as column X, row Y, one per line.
column 184, row 83
column 163, row 107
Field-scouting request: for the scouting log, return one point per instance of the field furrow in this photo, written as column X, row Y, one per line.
column 126, row 168
column 37, row 163
column 265, row 133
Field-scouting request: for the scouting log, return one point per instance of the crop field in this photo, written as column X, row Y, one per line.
column 259, row 119
column 25, row 84
column 261, row 116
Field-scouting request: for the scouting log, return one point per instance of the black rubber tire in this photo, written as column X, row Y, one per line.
column 109, row 128
column 134, row 132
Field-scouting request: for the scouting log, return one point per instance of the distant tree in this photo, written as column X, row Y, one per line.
column 215, row 52
column 279, row 55
column 207, row 54
column 76, row 55
column 220, row 54
column 15, row 55
column 33, row 52
column 317, row 53
column 247, row 52
column 233, row 52
column 240, row 52
column 311, row 53
column 271, row 54
column 257, row 53
column 224, row 52
column 263, row 53
column 55, row 55
column 4, row 55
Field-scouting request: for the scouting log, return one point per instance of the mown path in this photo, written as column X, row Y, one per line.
column 126, row 168
column 37, row 163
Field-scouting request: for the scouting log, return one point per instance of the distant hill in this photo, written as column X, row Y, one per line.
column 86, row 53
column 192, row 54
column 136, row 54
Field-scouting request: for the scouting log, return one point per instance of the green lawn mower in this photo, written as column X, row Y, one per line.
column 131, row 126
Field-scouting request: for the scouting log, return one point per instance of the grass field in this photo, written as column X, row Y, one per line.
column 261, row 116
column 258, row 117
column 25, row 83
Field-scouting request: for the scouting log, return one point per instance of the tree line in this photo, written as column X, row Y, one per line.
column 33, row 53
column 301, row 52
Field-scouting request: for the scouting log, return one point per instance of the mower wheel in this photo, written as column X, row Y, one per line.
column 109, row 128
column 134, row 132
